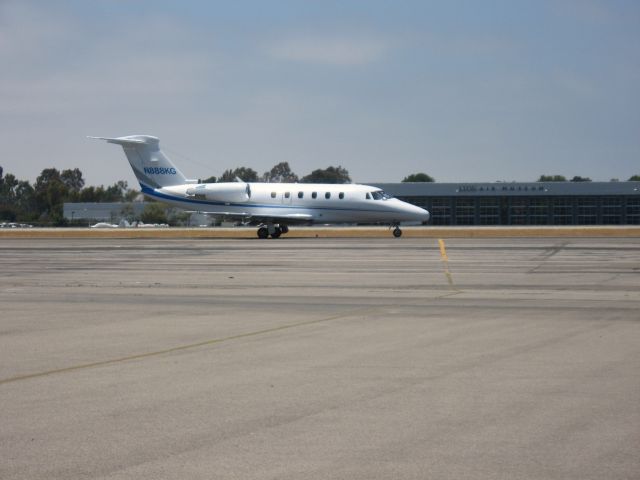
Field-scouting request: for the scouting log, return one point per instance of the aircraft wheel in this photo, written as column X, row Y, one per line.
column 263, row 232
column 397, row 232
column 276, row 233
column 284, row 229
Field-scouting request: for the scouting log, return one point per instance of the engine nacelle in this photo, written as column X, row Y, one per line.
column 222, row 192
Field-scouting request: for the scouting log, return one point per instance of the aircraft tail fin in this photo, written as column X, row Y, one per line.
column 150, row 165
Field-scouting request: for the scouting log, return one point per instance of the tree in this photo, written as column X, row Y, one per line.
column 211, row 179
column 50, row 193
column 634, row 178
column 7, row 198
column 88, row 194
column 243, row 173
column 7, row 188
column 578, row 178
column 118, row 192
column 154, row 213
column 25, row 201
column 418, row 177
column 280, row 173
column 115, row 192
column 552, row 178
column 131, row 195
column 17, row 200
column 328, row 175
column 72, row 179
column 179, row 218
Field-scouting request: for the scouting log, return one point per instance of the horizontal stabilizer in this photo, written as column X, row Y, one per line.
column 121, row 140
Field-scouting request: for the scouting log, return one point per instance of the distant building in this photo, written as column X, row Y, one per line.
column 545, row 203
column 113, row 212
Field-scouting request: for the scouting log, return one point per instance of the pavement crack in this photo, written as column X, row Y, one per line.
column 165, row 351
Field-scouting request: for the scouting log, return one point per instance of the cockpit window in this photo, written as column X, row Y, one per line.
column 380, row 195
column 368, row 196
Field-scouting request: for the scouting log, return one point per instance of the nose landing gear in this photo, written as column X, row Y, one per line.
column 397, row 232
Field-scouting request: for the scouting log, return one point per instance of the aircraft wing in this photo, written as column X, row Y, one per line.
column 250, row 217
column 286, row 219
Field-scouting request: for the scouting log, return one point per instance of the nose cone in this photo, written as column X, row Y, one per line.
column 421, row 214
column 411, row 213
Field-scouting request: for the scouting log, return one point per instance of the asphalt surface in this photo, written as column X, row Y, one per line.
column 320, row 358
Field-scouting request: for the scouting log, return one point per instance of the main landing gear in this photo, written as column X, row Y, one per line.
column 264, row 231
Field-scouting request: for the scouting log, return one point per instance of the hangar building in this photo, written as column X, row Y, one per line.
column 544, row 203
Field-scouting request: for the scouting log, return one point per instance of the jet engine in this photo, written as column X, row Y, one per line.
column 222, row 192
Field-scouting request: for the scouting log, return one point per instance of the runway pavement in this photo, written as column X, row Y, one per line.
column 370, row 358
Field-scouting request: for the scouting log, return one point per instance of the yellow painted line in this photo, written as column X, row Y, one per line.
column 445, row 261
column 190, row 346
column 443, row 250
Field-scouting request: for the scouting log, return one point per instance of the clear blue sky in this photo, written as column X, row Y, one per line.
column 462, row 90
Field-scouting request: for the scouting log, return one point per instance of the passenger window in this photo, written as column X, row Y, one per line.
column 273, row 194
column 300, row 194
column 368, row 196
column 341, row 195
column 327, row 195
column 287, row 194
column 314, row 195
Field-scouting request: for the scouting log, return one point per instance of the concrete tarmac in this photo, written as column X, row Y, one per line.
column 319, row 358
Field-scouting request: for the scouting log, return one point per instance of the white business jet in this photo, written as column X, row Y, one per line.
column 274, row 206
